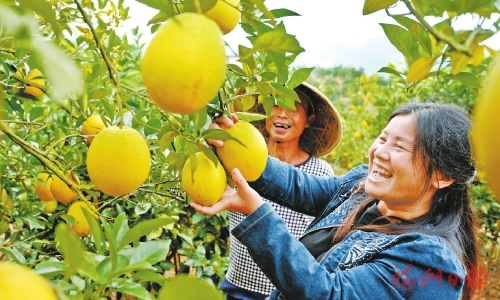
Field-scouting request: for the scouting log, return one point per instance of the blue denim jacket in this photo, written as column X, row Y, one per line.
column 365, row 265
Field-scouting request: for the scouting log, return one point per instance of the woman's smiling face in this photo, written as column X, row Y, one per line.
column 394, row 176
column 285, row 125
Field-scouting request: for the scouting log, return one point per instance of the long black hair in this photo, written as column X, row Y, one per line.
column 442, row 140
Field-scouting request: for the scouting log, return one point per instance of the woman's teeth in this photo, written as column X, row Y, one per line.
column 281, row 125
column 379, row 173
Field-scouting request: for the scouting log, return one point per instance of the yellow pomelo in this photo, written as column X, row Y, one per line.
column 81, row 226
column 118, row 160
column 61, row 191
column 50, row 206
column 251, row 158
column 485, row 124
column 208, row 182
column 226, row 13
column 92, row 126
column 42, row 187
column 184, row 64
column 20, row 282
column 35, row 76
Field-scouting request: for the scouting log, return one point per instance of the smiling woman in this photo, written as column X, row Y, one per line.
column 380, row 226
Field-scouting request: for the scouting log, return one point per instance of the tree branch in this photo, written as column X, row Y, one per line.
column 111, row 70
column 43, row 159
column 440, row 36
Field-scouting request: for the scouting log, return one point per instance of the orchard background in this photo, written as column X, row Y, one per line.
column 142, row 240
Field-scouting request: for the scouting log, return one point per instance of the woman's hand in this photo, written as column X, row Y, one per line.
column 244, row 199
column 222, row 122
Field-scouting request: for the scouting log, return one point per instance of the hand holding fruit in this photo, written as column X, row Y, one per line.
column 222, row 122
column 243, row 199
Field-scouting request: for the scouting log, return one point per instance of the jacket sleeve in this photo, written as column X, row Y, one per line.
column 302, row 192
column 297, row 275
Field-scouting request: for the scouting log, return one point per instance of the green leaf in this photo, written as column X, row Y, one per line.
column 120, row 228
column 418, row 31
column 250, row 117
column 137, row 290
column 219, row 134
column 95, row 229
column 71, row 248
column 298, row 77
column 419, row 68
column 372, row 6
column 107, row 271
column 142, row 229
column 32, row 221
column 182, row 287
column 65, row 77
column 13, row 255
column 285, row 92
column 278, row 58
column 10, row 19
column 110, row 109
column 467, row 78
column 392, row 72
column 280, row 13
column 262, row 7
column 430, row 7
column 151, row 252
column 210, row 154
column 187, row 238
column 459, row 61
column 149, row 276
column 235, row 68
column 160, row 5
column 152, row 127
column 277, row 41
column 44, row 9
column 129, row 268
column 403, row 41
column 200, row 118
column 51, row 268
column 89, row 267
column 166, row 140
column 108, row 232
column 35, row 113
column 205, row 5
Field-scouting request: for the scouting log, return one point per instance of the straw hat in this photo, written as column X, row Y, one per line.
column 324, row 134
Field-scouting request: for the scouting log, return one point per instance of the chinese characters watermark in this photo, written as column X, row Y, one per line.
column 476, row 278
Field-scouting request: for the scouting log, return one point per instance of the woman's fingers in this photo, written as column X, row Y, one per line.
column 221, row 205
column 243, row 199
column 222, row 122
column 247, row 199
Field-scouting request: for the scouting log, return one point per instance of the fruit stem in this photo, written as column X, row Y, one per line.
column 197, row 6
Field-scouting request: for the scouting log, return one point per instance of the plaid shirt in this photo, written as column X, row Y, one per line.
column 242, row 271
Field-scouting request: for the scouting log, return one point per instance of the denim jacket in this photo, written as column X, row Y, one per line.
column 365, row 265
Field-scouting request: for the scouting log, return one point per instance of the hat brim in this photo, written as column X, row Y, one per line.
column 324, row 134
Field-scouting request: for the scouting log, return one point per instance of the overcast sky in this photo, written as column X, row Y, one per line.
column 332, row 32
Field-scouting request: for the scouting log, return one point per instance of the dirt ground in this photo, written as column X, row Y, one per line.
column 492, row 290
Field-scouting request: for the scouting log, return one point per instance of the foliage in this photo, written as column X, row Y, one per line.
column 444, row 48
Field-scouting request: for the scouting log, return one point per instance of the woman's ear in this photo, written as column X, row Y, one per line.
column 310, row 120
column 441, row 181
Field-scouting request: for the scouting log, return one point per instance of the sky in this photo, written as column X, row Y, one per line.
column 332, row 32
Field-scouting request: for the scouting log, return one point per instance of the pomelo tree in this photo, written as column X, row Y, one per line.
column 84, row 68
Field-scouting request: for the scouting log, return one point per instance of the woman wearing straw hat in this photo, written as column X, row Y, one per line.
column 297, row 137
